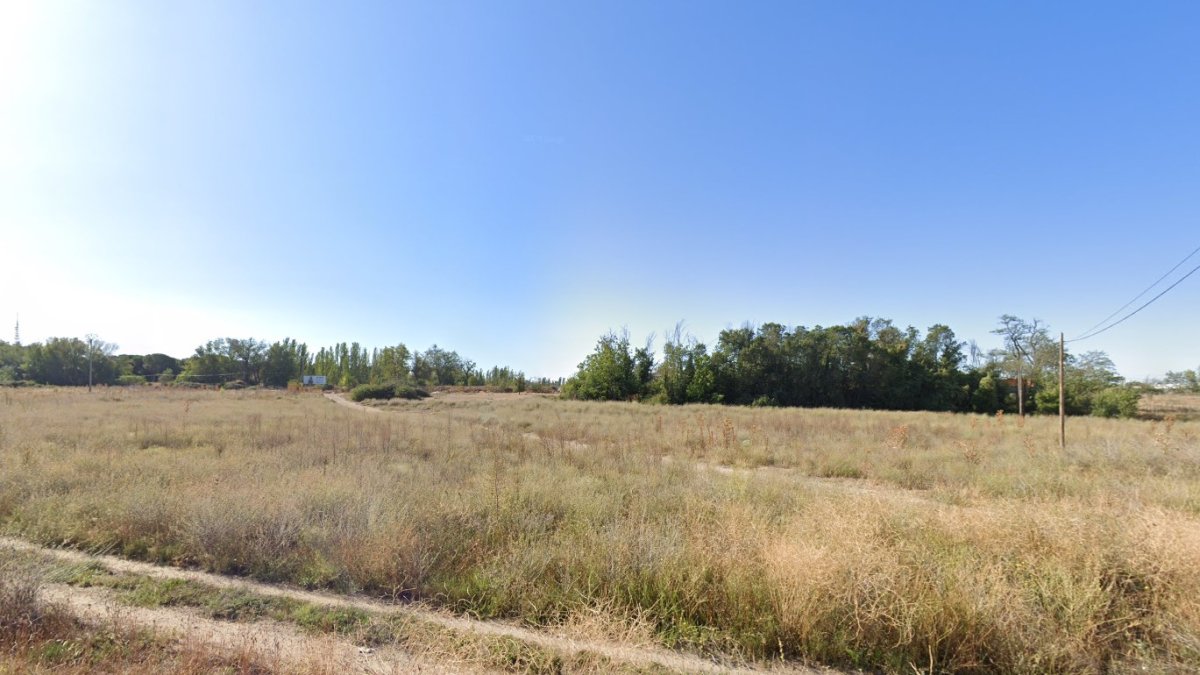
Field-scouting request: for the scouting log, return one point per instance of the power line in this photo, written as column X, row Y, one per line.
column 1120, row 309
column 1148, row 303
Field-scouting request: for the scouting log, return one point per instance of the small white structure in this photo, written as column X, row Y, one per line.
column 318, row 380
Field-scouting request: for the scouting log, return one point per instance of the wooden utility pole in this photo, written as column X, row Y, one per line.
column 91, row 339
column 1020, row 381
column 1062, row 393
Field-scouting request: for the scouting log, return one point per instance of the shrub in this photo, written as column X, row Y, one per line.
column 130, row 380
column 365, row 391
column 386, row 391
column 410, row 392
column 1116, row 402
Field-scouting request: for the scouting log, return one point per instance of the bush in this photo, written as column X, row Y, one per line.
column 410, row 392
column 365, row 391
column 1116, row 402
column 386, row 391
column 130, row 380
column 1046, row 401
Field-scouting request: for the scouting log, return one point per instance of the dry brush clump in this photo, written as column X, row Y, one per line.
column 901, row 541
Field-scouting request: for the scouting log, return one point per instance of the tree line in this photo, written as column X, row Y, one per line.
column 251, row 362
column 866, row 363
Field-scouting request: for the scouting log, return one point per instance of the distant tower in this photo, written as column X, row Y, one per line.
column 17, row 332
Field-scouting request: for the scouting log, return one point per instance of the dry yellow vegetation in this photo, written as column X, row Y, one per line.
column 894, row 541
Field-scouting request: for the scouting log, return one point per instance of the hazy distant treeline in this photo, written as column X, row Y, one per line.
column 65, row 361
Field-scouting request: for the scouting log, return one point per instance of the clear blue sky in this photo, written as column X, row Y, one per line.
column 512, row 179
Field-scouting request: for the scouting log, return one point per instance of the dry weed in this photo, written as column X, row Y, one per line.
column 967, row 551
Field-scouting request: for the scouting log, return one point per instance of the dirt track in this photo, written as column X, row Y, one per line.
column 270, row 641
column 280, row 641
column 343, row 401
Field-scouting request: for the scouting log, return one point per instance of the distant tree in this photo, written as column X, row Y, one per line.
column 988, row 396
column 643, row 367
column 283, row 362
column 1029, row 353
column 436, row 366
column 1084, row 377
column 685, row 374
column 64, row 361
column 1184, row 381
column 248, row 355
column 155, row 364
column 608, row 373
column 210, row 364
column 391, row 364
column 12, row 360
column 505, row 379
column 938, row 359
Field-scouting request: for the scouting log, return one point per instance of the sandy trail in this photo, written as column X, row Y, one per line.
column 345, row 402
column 635, row 656
column 271, row 642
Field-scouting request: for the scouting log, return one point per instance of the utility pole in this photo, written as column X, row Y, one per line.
column 1020, row 381
column 90, row 340
column 1062, row 394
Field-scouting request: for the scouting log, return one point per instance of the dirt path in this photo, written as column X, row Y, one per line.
column 283, row 635
column 345, row 402
column 269, row 641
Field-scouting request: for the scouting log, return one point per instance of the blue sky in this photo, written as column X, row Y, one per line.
column 512, row 179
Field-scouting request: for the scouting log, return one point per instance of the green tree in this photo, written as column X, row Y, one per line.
column 283, row 362
column 12, row 361
column 391, row 365
column 1116, row 402
column 1084, row 377
column 607, row 374
column 1029, row 355
column 249, row 355
column 685, row 374
column 64, row 361
column 1185, row 381
column 937, row 359
column 988, row 395
column 210, row 364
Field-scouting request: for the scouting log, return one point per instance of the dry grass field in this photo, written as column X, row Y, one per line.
column 896, row 542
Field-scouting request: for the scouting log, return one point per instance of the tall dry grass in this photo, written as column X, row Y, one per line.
column 897, row 541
